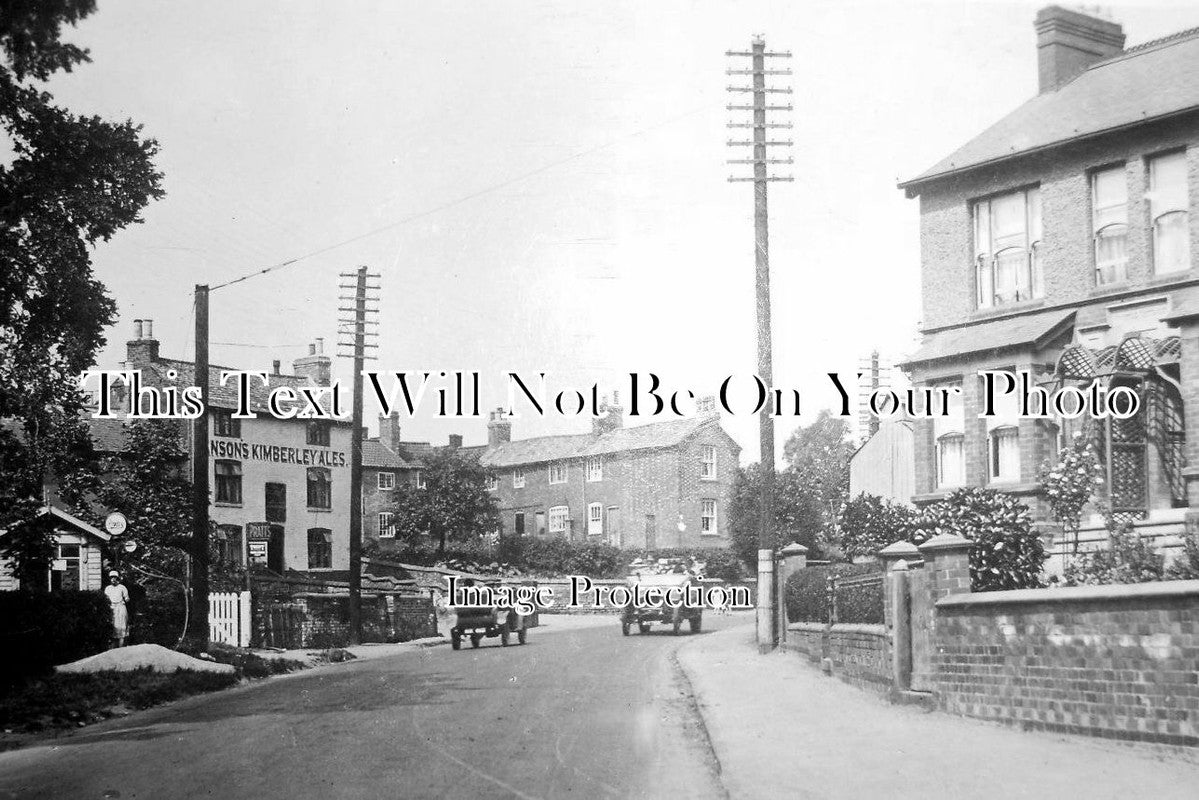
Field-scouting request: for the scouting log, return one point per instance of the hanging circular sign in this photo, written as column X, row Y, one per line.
column 130, row 546
column 115, row 523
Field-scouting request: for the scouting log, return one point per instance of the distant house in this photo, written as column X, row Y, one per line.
column 885, row 465
column 78, row 562
column 666, row 484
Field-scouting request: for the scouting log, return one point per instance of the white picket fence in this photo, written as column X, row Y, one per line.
column 229, row 620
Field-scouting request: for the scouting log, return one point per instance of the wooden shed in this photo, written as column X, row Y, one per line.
column 78, row 554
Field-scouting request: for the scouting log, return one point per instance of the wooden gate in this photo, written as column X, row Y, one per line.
column 229, row 620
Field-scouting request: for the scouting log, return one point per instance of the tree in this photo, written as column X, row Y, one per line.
column 453, row 504
column 797, row 513
column 73, row 181
column 819, row 453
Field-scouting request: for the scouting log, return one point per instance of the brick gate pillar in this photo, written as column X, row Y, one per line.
column 792, row 558
column 897, row 607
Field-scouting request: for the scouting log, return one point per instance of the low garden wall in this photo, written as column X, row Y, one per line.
column 857, row 654
column 321, row 619
column 1112, row 661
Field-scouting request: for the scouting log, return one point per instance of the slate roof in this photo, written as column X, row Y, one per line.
column 225, row 397
column 1153, row 81
column 376, row 455
column 556, row 448
column 999, row 334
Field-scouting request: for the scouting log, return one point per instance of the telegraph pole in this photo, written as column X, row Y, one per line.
column 767, row 616
column 199, row 576
column 355, row 331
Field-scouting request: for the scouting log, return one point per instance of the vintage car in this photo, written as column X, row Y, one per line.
column 479, row 622
column 643, row 616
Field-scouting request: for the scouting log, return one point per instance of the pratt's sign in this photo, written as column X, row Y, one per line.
column 276, row 454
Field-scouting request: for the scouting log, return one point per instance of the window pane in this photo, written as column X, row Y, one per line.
column 1171, row 245
column 1111, row 254
column 982, row 229
column 1011, row 276
column 986, row 289
column 1034, row 215
column 1005, row 454
column 1167, row 184
column 1008, row 221
column 950, row 463
column 1109, row 190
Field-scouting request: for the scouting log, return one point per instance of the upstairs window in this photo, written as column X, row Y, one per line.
column 223, row 424
column 595, row 468
column 1109, row 220
column 318, row 432
column 707, row 463
column 1168, row 205
column 518, row 478
column 1007, row 244
column 557, row 473
column 320, row 488
column 707, row 516
column 492, row 483
column 387, row 528
column 418, row 479
column 387, row 480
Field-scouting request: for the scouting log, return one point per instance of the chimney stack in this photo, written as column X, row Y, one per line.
column 316, row 366
column 613, row 416
column 142, row 350
column 1068, row 42
column 499, row 428
column 389, row 430
column 455, row 441
column 275, row 367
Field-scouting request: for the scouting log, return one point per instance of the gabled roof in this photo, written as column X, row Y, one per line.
column 1153, row 81
column 648, row 437
column 534, row 451
column 70, row 519
column 557, row 448
column 376, row 455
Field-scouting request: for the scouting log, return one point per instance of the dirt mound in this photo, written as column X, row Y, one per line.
column 142, row 656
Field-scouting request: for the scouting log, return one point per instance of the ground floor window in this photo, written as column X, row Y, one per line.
column 707, row 516
column 320, row 488
column 558, row 519
column 65, row 571
column 387, row 528
column 951, row 462
column 518, row 523
column 1004, row 446
column 228, row 546
column 320, row 548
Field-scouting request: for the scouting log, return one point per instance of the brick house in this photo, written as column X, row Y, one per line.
column 1059, row 242
column 280, row 487
column 666, row 484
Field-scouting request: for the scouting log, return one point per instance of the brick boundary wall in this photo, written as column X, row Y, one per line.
column 1118, row 662
column 860, row 655
column 322, row 619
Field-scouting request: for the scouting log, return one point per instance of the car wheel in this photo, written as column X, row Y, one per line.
column 504, row 637
column 475, row 639
column 644, row 627
column 520, row 636
column 676, row 622
column 696, row 623
column 624, row 627
column 455, row 639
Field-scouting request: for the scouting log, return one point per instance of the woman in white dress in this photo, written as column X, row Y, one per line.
column 118, row 597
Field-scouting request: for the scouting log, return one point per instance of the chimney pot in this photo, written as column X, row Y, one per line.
column 1069, row 41
column 312, row 349
column 137, row 329
column 320, row 346
column 149, row 328
column 499, row 428
column 275, row 367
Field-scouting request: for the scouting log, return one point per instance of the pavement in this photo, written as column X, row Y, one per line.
column 781, row 728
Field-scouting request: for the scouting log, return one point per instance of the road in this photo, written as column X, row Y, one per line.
column 576, row 713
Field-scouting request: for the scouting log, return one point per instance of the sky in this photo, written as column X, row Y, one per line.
column 542, row 186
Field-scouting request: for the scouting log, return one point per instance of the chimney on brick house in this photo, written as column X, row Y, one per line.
column 275, row 365
column 142, row 349
column 316, row 366
column 611, row 416
column 499, row 428
column 389, row 430
column 455, row 441
column 1069, row 41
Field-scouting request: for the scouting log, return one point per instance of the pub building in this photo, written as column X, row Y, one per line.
column 280, row 488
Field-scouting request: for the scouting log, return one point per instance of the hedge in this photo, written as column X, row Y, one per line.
column 41, row 629
column 807, row 595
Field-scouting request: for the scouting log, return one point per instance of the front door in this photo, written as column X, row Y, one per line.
column 614, row 526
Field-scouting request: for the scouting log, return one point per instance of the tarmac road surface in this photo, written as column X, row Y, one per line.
column 574, row 713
